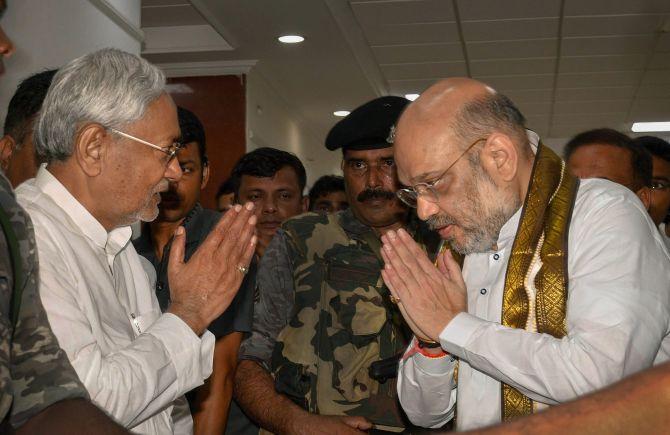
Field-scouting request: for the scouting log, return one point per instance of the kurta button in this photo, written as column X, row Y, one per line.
column 482, row 291
column 496, row 257
column 159, row 286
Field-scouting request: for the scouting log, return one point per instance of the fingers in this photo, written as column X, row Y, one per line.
column 249, row 251
column 242, row 226
column 244, row 238
column 391, row 277
column 403, row 263
column 415, row 251
column 453, row 268
column 176, row 259
column 441, row 266
column 357, row 423
column 219, row 231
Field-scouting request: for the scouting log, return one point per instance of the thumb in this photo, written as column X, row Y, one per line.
column 442, row 263
column 452, row 268
column 177, row 249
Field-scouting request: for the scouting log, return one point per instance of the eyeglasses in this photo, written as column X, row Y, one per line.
column 429, row 191
column 660, row 185
column 170, row 151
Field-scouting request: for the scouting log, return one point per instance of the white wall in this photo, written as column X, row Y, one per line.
column 272, row 122
column 48, row 33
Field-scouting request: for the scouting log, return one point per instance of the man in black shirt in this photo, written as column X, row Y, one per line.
column 180, row 206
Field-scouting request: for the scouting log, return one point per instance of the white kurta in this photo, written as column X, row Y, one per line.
column 618, row 317
column 135, row 362
column 664, row 234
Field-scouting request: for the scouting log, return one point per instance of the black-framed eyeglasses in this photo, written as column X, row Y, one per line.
column 429, row 191
column 170, row 150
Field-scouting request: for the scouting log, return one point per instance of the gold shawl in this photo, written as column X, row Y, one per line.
column 542, row 237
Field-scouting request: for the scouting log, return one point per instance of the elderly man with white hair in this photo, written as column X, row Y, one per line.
column 109, row 134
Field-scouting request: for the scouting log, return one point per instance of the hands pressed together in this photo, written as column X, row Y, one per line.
column 428, row 297
column 203, row 288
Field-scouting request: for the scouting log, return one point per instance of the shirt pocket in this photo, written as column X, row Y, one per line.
column 358, row 317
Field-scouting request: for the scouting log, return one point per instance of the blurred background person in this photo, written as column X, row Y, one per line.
column 611, row 155
column 17, row 151
column 660, row 182
column 328, row 195
column 225, row 196
column 274, row 180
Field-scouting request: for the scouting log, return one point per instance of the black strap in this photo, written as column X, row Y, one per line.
column 15, row 257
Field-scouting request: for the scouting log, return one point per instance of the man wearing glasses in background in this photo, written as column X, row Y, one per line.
column 660, row 182
column 564, row 286
column 108, row 132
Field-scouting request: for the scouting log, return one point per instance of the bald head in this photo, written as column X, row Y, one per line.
column 444, row 99
column 450, row 115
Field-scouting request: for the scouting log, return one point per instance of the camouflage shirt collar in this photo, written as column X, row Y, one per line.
column 355, row 227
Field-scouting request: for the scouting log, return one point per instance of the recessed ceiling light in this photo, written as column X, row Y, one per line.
column 648, row 127
column 341, row 113
column 412, row 97
column 291, row 39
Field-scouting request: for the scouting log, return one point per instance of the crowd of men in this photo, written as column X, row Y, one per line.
column 459, row 276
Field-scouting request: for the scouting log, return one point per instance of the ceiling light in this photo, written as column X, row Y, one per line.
column 341, row 113
column 291, row 39
column 648, row 127
column 411, row 97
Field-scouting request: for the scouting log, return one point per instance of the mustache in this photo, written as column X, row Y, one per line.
column 439, row 221
column 375, row 194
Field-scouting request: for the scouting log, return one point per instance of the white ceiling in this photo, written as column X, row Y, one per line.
column 570, row 65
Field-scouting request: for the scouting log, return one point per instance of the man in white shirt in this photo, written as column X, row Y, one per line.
column 557, row 298
column 660, row 182
column 109, row 134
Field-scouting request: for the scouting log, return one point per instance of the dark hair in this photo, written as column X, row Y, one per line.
column 225, row 188
column 640, row 157
column 323, row 186
column 26, row 103
column 265, row 162
column 494, row 112
column 655, row 145
column 192, row 131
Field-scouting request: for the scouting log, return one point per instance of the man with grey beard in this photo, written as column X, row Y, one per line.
column 556, row 298
column 109, row 131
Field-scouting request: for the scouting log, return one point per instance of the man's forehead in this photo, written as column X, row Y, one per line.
column 284, row 178
column 418, row 162
column 369, row 154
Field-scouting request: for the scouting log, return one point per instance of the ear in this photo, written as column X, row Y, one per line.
column 500, row 157
column 645, row 196
column 90, row 148
column 205, row 176
column 305, row 203
column 7, row 146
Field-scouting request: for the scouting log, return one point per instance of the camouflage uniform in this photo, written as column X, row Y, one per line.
column 34, row 371
column 324, row 316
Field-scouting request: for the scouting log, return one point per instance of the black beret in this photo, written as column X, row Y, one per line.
column 368, row 127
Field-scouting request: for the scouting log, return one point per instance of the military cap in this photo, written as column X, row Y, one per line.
column 369, row 126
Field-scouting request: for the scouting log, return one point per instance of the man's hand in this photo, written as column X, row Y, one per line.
column 429, row 297
column 315, row 424
column 204, row 287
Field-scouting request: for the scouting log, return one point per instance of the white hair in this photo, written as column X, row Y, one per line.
column 110, row 87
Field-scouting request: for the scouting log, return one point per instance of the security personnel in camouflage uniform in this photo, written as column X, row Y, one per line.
column 324, row 315
column 34, row 371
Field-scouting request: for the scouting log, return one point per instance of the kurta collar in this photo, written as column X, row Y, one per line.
column 82, row 221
